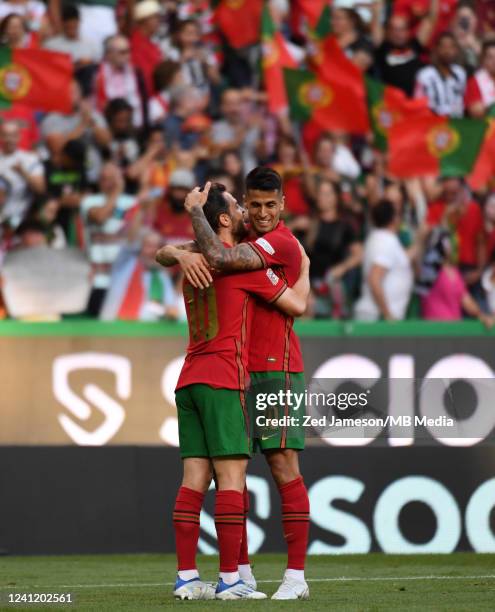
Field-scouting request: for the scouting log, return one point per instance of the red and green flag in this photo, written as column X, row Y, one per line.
column 389, row 105
column 327, row 59
column 36, row 78
column 311, row 9
column 330, row 105
column 434, row 146
column 275, row 57
column 239, row 21
column 483, row 173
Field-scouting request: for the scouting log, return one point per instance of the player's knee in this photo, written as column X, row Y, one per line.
column 284, row 466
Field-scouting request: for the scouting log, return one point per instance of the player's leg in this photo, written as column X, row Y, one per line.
column 244, row 566
column 227, row 436
column 197, row 474
column 280, row 446
column 284, row 466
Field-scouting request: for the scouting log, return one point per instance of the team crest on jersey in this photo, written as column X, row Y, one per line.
column 265, row 245
column 315, row 95
column 384, row 117
column 272, row 277
column 15, row 81
column 442, row 140
column 271, row 53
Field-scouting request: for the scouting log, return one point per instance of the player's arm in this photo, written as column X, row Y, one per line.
column 241, row 257
column 294, row 300
column 190, row 260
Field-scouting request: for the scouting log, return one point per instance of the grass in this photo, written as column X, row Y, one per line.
column 458, row 582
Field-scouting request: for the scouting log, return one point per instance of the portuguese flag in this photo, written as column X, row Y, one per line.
column 434, row 146
column 329, row 104
column 36, row 78
column 328, row 60
column 483, row 172
column 311, row 9
column 275, row 57
column 388, row 106
column 239, row 21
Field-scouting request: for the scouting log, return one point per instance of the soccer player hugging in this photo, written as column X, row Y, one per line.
column 243, row 286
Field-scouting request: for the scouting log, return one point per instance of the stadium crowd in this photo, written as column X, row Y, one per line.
column 161, row 103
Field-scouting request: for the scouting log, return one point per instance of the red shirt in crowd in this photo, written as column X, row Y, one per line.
column 274, row 345
column 468, row 227
column 415, row 10
column 145, row 55
column 220, row 327
column 174, row 226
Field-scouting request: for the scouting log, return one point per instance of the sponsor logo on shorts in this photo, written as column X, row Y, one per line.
column 272, row 277
column 265, row 245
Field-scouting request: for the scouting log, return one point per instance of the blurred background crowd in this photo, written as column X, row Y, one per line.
column 163, row 98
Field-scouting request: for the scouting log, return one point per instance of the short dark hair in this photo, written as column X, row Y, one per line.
column 116, row 105
column 383, row 213
column 216, row 205
column 262, row 178
column 163, row 74
column 70, row 12
column 446, row 36
column 30, row 225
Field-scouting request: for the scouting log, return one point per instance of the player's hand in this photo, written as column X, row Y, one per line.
column 196, row 270
column 196, row 197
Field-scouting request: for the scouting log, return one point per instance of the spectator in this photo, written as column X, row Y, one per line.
column 31, row 234
column 349, row 30
column 488, row 283
column 235, row 130
column 416, row 11
column 334, row 251
column 443, row 83
column 480, row 92
column 489, row 221
column 82, row 124
column 45, row 211
column 448, row 296
column 333, row 160
column 387, row 271
column 14, row 33
column 140, row 289
column 97, row 18
column 198, row 67
column 166, row 76
column 464, row 28
column 398, row 58
column 290, row 167
column 22, row 171
column 186, row 102
column 172, row 221
column 105, row 221
column 456, row 210
column 83, row 51
column 231, row 164
column 146, row 54
column 66, row 182
column 32, row 12
column 118, row 78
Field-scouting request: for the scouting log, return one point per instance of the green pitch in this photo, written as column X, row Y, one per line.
column 459, row 582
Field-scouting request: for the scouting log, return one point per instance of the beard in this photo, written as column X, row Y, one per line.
column 177, row 204
column 240, row 231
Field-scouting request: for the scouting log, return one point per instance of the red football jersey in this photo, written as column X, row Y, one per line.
column 274, row 345
column 220, row 319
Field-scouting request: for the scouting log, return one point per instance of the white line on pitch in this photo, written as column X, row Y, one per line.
column 338, row 579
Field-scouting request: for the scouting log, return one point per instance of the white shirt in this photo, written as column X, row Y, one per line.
column 383, row 248
column 20, row 196
column 445, row 95
column 489, row 286
column 344, row 162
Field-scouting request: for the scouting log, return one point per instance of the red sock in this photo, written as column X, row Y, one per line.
column 244, row 556
column 186, row 525
column 229, row 518
column 295, row 521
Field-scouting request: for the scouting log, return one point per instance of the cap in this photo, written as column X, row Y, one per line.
column 182, row 178
column 146, row 9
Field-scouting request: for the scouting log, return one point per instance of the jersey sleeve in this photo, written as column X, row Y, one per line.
column 265, row 284
column 275, row 249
